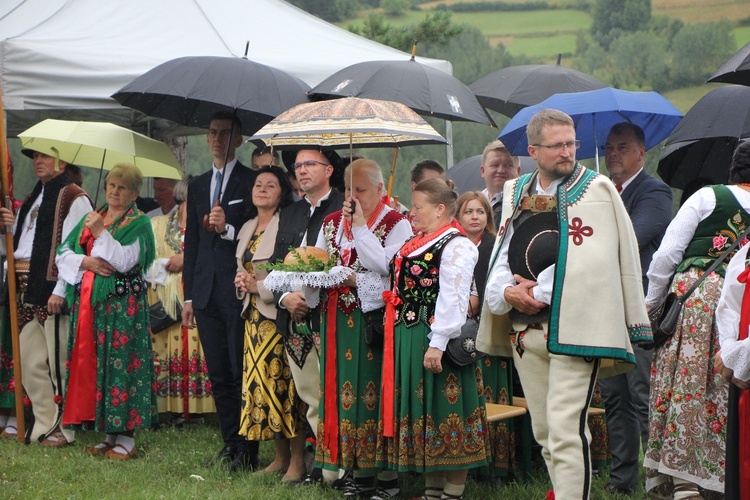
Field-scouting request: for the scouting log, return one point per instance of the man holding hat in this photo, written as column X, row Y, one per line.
column 54, row 206
column 571, row 307
column 299, row 225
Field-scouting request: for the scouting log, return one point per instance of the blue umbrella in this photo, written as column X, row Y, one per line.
column 594, row 113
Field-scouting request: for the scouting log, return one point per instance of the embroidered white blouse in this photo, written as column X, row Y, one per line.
column 734, row 353
column 122, row 258
column 679, row 234
column 456, row 272
column 373, row 256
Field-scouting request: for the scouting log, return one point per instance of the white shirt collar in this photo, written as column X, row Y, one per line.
column 627, row 182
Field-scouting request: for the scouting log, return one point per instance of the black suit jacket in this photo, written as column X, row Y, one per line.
column 294, row 221
column 481, row 269
column 649, row 203
column 207, row 255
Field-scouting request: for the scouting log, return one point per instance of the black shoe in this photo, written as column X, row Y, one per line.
column 226, row 454
column 311, row 479
column 613, row 489
column 244, row 461
column 386, row 494
column 360, row 487
column 343, row 483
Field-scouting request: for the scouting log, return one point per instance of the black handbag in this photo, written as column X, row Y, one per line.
column 462, row 350
column 663, row 317
column 160, row 320
column 374, row 328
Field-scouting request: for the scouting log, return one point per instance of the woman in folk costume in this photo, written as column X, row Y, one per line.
column 182, row 386
column 475, row 216
column 733, row 360
column 271, row 408
column 688, row 401
column 363, row 236
column 111, row 371
column 433, row 418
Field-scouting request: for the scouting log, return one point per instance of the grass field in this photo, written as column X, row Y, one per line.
column 692, row 11
column 684, row 98
column 168, row 467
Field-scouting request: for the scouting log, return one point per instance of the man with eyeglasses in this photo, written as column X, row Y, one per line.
column 498, row 167
column 564, row 295
column 215, row 214
column 299, row 225
column 649, row 203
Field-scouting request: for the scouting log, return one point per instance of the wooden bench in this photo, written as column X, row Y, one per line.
column 496, row 412
column 521, row 402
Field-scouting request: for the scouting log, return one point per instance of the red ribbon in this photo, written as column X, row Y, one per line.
column 331, row 402
column 388, row 381
column 80, row 400
column 744, row 400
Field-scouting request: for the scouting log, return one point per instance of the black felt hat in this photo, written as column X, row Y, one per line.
column 289, row 157
column 533, row 245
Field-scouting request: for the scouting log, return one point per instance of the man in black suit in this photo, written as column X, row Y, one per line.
column 299, row 225
column 208, row 274
column 649, row 204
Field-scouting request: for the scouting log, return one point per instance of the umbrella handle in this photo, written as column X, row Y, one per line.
column 209, row 227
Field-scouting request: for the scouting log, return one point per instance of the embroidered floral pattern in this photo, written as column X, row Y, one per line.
column 688, row 401
column 451, row 389
column 347, row 395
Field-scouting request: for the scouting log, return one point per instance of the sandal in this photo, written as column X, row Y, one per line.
column 10, row 435
column 116, row 454
column 98, row 450
column 59, row 442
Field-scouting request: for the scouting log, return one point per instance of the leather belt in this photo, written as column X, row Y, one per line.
column 538, row 203
column 23, row 266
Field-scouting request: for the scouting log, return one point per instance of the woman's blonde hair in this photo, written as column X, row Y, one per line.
column 129, row 174
column 371, row 168
column 468, row 196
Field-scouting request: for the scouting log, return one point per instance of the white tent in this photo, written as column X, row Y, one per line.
column 64, row 58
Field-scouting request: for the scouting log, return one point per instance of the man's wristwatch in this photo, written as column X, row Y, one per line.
column 225, row 231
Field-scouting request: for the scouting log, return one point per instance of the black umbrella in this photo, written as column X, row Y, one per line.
column 466, row 175
column 701, row 145
column 736, row 69
column 426, row 90
column 683, row 162
column 511, row 89
column 190, row 90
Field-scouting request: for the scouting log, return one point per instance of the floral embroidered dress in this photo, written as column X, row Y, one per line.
column 110, row 363
column 178, row 355
column 271, row 408
column 430, row 422
column 688, row 401
column 350, row 368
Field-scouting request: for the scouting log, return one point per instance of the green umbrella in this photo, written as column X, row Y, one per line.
column 101, row 145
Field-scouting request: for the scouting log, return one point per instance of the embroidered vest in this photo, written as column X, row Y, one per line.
column 59, row 195
column 348, row 300
column 716, row 232
column 419, row 283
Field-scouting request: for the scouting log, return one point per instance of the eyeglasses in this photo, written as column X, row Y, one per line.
column 308, row 164
column 557, row 148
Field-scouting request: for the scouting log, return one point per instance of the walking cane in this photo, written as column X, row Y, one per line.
column 12, row 293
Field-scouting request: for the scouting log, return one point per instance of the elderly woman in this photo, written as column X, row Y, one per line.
column 111, row 371
column 433, row 417
column 363, row 237
column 688, row 401
column 182, row 385
column 271, row 408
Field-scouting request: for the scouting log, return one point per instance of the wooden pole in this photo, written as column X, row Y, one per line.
column 12, row 292
column 393, row 172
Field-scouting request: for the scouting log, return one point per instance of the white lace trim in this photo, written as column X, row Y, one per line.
column 284, row 281
column 370, row 288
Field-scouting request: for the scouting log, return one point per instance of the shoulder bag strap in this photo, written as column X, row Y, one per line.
column 716, row 264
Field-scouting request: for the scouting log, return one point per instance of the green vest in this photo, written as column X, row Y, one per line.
column 716, row 232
